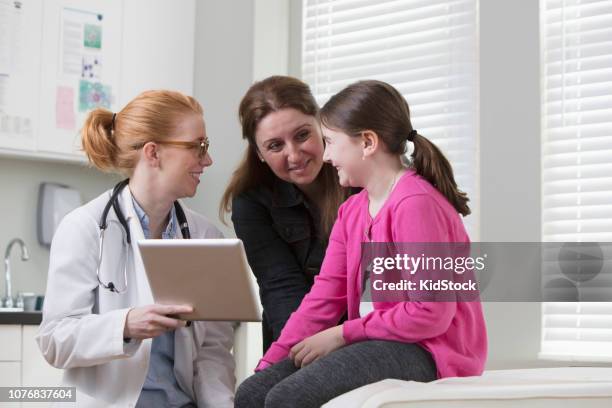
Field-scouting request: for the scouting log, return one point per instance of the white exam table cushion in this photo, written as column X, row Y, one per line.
column 585, row 387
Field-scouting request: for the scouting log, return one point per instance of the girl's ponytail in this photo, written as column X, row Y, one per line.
column 429, row 163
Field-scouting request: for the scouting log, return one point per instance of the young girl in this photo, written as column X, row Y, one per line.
column 366, row 128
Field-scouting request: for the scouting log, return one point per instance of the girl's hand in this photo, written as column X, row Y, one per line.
column 317, row 346
column 150, row 321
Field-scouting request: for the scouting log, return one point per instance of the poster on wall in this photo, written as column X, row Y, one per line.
column 82, row 43
column 81, row 62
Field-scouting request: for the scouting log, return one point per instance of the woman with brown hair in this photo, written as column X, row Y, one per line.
column 100, row 324
column 283, row 198
column 367, row 127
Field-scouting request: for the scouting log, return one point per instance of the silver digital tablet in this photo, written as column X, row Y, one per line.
column 212, row 275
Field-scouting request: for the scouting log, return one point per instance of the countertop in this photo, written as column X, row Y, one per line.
column 32, row 318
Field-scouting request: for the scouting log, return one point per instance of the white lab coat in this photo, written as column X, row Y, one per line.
column 82, row 327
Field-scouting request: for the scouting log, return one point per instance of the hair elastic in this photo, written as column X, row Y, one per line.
column 411, row 135
column 113, row 122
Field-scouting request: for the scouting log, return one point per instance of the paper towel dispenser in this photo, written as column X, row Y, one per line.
column 54, row 202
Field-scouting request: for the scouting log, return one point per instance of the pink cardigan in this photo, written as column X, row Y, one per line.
column 453, row 332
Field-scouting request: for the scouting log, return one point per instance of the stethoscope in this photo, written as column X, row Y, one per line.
column 114, row 203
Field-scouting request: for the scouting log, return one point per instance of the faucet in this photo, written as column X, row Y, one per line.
column 8, row 299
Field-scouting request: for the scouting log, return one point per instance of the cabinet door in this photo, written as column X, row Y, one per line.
column 36, row 371
column 19, row 74
column 10, row 376
column 10, row 339
column 10, row 359
column 158, row 46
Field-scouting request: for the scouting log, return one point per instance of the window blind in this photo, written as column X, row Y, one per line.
column 576, row 79
column 427, row 49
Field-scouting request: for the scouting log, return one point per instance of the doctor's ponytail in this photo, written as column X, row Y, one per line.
column 97, row 139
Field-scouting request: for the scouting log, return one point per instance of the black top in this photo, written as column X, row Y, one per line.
column 284, row 247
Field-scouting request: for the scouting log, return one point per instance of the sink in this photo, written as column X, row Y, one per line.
column 11, row 309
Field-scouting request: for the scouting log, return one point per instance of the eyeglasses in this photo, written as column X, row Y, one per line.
column 201, row 146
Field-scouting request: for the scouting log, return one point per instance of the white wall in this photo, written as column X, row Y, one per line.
column 19, row 182
column 270, row 38
column 223, row 72
column 510, row 162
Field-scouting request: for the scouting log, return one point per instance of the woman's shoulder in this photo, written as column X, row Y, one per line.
column 259, row 195
column 261, row 200
column 251, row 204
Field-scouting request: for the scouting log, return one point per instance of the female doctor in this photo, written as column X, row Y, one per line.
column 99, row 320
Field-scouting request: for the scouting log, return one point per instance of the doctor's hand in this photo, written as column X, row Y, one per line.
column 317, row 346
column 150, row 321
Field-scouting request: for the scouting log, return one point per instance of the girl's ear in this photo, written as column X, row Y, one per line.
column 370, row 141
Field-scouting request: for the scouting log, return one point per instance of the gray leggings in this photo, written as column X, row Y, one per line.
column 284, row 385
